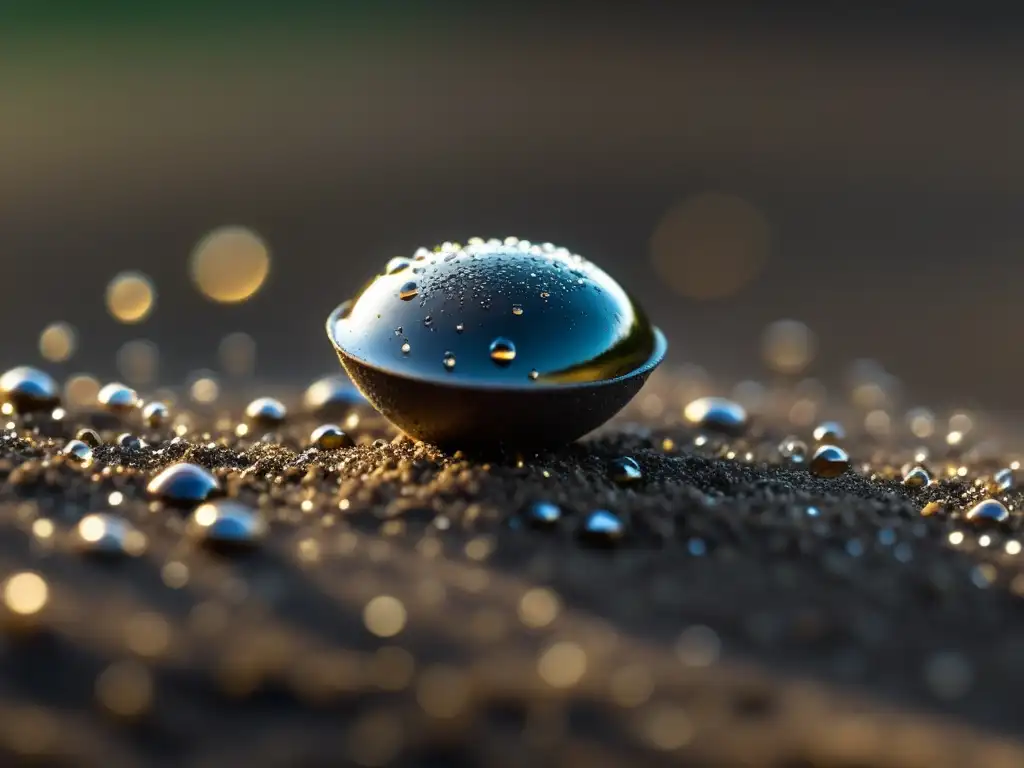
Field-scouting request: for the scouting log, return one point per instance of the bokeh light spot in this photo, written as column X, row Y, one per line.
column 130, row 297
column 57, row 342
column 204, row 388
column 384, row 616
column 710, row 246
column 138, row 361
column 237, row 353
column 230, row 264
column 787, row 346
column 81, row 390
column 26, row 593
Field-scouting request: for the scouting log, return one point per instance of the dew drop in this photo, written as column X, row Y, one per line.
column 408, row 291
column 88, row 436
column 330, row 437
column 396, row 265
column 625, row 471
column 118, row 398
column 332, row 396
column 183, row 484
column 829, row 461
column 460, row 328
column 226, row 524
column 917, row 477
column 77, row 450
column 794, row 449
column 534, row 375
column 406, row 348
column 503, row 351
column 103, row 534
column 716, row 413
column 449, row 361
column 987, row 512
column 428, row 320
column 542, row 514
column 155, row 414
column 29, row 389
column 601, row 528
column 1003, row 480
column 129, row 442
column 829, row 432
column 517, row 309
column 266, row 411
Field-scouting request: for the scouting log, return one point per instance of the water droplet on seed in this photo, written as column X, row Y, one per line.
column 517, row 309
column 503, row 351
column 533, row 375
column 460, row 327
column 449, row 360
column 406, row 348
column 396, row 265
column 408, row 291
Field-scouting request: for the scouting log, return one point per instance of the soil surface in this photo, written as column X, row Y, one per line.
column 406, row 608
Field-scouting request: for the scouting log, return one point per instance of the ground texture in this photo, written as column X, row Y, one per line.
column 402, row 610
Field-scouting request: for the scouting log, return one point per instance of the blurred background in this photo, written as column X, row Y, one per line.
column 187, row 189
